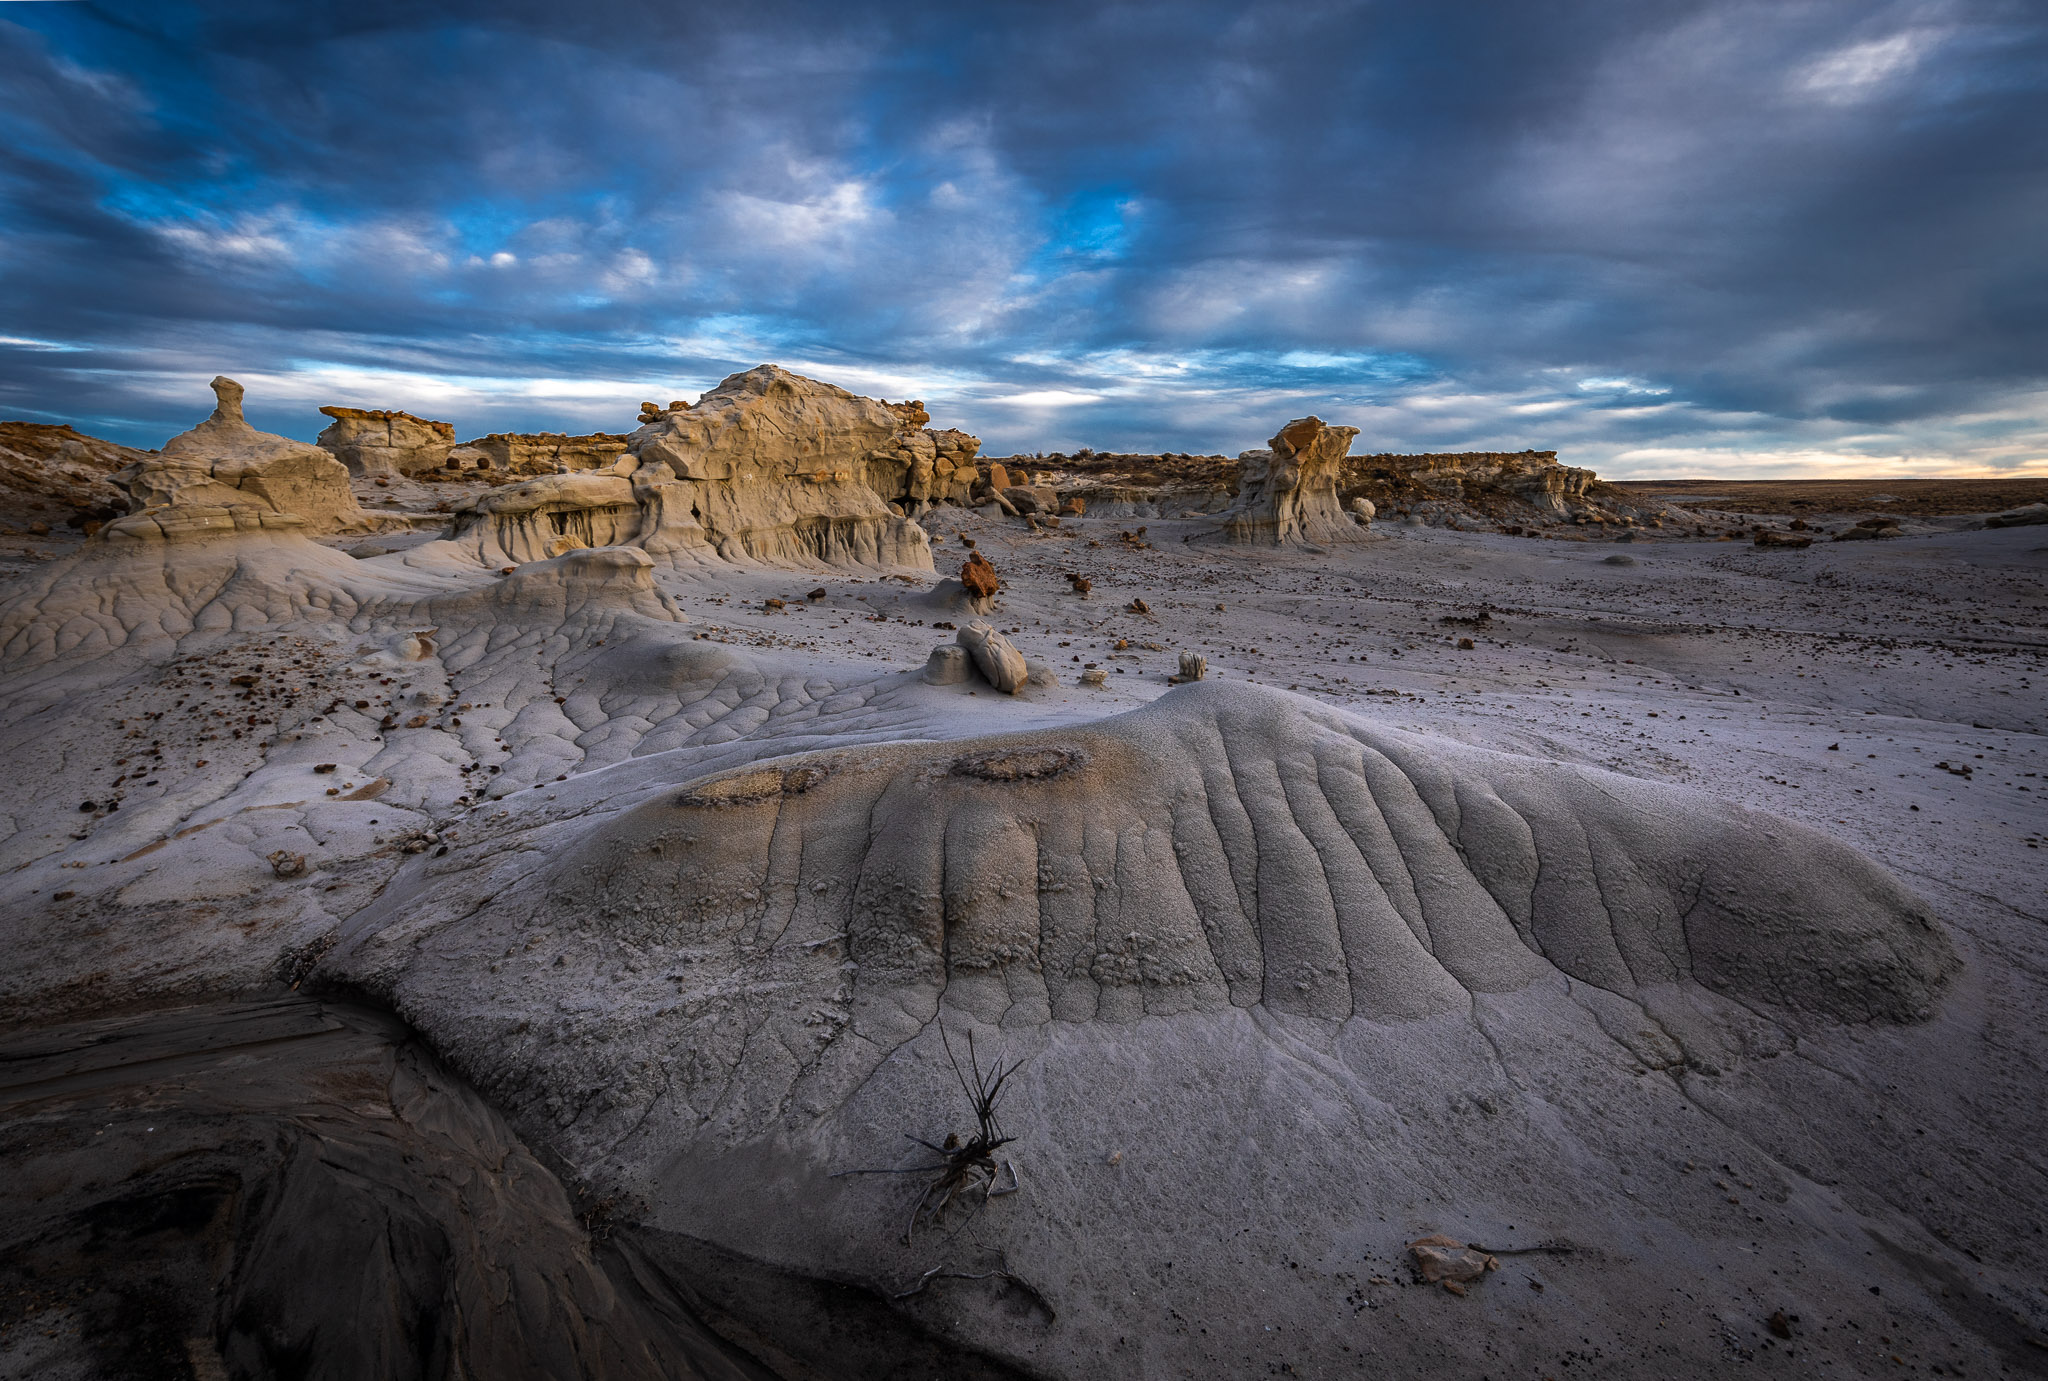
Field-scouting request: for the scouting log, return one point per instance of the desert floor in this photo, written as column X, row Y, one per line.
column 1886, row 693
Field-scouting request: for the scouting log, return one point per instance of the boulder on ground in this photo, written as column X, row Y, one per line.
column 224, row 463
column 1287, row 494
column 979, row 578
column 995, row 657
column 1033, row 498
column 1870, row 530
column 1440, row 1258
column 948, row 665
column 372, row 443
column 2029, row 516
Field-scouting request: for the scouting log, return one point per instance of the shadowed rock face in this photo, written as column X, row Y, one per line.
column 1288, row 494
column 42, row 465
column 1229, row 914
column 296, row 1188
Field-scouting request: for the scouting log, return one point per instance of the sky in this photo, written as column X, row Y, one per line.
column 1664, row 239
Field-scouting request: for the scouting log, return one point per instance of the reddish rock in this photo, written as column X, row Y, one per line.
column 979, row 577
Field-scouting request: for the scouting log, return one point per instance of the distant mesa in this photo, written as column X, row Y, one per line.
column 1512, row 491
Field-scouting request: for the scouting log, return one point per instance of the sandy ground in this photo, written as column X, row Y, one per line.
column 1886, row 693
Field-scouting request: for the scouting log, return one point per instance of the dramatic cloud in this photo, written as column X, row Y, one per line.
column 1662, row 237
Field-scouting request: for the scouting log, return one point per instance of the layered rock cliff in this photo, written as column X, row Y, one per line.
column 1498, row 488
column 1503, row 485
column 541, row 453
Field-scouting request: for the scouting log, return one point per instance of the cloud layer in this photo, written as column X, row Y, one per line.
column 1662, row 238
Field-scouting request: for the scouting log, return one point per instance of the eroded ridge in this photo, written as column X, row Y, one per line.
column 785, row 927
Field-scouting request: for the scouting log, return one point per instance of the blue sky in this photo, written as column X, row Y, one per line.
column 1661, row 238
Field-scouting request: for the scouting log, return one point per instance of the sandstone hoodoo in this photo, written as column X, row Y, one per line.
column 1287, row 493
column 224, row 476
column 768, row 467
column 373, row 443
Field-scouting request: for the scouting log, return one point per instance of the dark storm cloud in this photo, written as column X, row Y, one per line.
column 1656, row 236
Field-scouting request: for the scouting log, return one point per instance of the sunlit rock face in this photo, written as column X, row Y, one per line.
column 204, row 476
column 541, row 453
column 1533, row 477
column 381, row 442
column 769, row 467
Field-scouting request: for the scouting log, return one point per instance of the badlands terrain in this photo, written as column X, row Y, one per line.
column 546, row 906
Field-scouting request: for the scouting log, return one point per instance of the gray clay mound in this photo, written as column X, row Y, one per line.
column 1285, row 987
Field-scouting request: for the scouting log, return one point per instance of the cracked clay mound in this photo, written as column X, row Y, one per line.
column 1285, row 987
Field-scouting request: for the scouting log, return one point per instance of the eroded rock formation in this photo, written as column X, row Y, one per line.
column 223, row 476
column 1217, row 932
column 691, row 905
column 378, row 442
column 769, row 466
column 1507, row 488
column 1287, row 493
column 56, row 472
column 542, row 453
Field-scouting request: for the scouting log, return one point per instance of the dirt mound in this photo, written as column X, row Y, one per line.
column 1243, row 937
